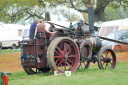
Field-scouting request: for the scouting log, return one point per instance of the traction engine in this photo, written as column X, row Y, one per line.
column 66, row 50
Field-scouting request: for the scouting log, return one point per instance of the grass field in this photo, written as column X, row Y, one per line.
column 7, row 51
column 91, row 76
column 10, row 62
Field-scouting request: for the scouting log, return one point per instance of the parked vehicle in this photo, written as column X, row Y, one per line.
column 10, row 34
column 111, row 26
column 121, row 35
column 25, row 33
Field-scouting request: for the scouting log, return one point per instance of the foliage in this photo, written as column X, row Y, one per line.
column 100, row 6
column 115, row 12
column 13, row 11
column 81, row 6
column 119, row 3
column 20, row 10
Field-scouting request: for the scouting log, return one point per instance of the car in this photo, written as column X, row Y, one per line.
column 121, row 35
column 10, row 34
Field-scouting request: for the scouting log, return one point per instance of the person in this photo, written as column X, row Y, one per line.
column 32, row 29
column 41, row 29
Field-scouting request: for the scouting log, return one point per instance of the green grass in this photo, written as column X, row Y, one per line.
column 91, row 76
column 7, row 51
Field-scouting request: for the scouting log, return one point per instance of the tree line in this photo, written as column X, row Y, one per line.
column 15, row 10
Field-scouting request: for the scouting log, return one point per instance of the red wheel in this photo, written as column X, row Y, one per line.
column 106, row 58
column 63, row 55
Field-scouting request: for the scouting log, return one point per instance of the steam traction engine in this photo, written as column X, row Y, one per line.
column 66, row 50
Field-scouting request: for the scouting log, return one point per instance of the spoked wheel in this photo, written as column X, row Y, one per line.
column 63, row 55
column 84, row 65
column 31, row 71
column 106, row 58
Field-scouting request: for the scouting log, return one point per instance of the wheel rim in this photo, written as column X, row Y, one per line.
column 65, row 56
column 108, row 59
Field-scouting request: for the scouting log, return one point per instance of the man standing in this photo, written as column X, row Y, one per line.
column 32, row 29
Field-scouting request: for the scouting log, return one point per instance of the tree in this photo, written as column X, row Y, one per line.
column 100, row 6
column 81, row 6
column 115, row 12
column 16, row 10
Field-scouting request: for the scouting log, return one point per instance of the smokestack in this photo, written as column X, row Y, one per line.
column 47, row 16
column 91, row 18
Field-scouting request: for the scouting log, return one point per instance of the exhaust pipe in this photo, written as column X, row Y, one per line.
column 91, row 18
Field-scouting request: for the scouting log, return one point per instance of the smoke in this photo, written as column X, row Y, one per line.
column 63, row 13
column 59, row 13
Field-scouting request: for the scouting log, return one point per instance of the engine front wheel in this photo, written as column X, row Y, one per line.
column 106, row 58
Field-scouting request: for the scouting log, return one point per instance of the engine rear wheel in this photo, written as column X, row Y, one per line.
column 106, row 58
column 63, row 55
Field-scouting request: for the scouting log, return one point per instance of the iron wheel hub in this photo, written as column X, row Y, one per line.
column 108, row 60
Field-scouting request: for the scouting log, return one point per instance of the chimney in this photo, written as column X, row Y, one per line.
column 91, row 18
